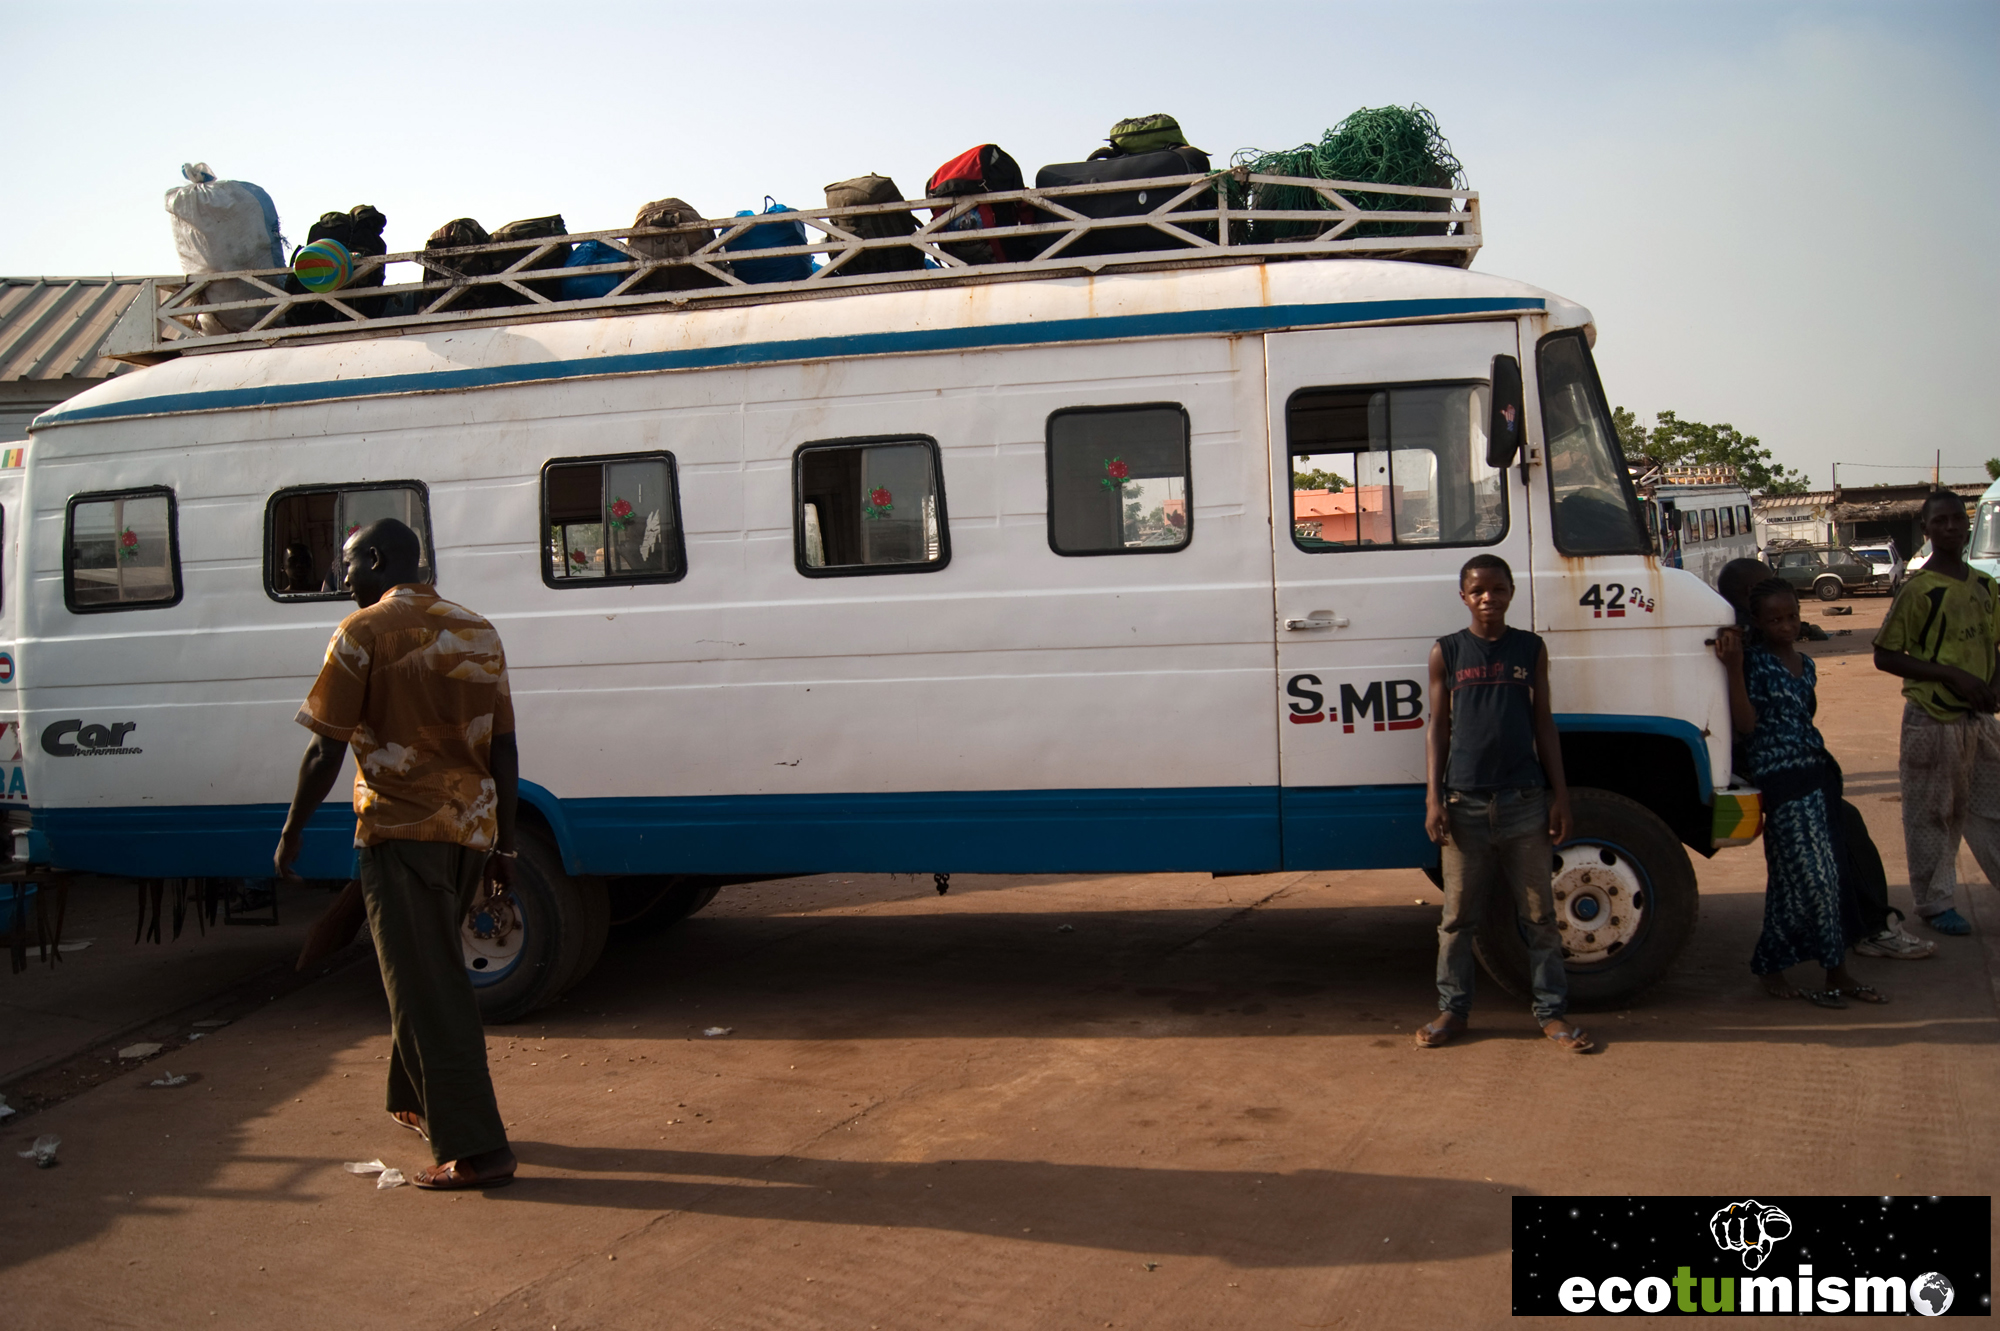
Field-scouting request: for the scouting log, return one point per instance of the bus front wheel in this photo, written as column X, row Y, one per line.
column 1625, row 900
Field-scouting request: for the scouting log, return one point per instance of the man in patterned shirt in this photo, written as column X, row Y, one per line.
column 417, row 687
column 1943, row 637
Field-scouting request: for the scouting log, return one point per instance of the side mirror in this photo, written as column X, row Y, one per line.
column 1503, row 433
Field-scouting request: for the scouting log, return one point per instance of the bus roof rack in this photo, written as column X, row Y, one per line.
column 1194, row 213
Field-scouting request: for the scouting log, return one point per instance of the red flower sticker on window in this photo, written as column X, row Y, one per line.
column 1116, row 473
column 879, row 503
column 128, row 544
column 621, row 514
column 578, row 558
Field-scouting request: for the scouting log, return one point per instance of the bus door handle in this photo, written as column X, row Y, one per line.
column 1318, row 619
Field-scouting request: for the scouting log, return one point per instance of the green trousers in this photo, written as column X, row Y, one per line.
column 417, row 894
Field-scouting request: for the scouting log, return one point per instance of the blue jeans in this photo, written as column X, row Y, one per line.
column 1497, row 837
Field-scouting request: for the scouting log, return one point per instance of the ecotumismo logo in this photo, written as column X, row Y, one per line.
column 1702, row 1256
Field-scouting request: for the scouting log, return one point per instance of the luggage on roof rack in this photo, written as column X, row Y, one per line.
column 532, row 228
column 690, row 237
column 1142, row 134
column 1179, row 161
column 986, row 169
column 224, row 226
column 865, row 191
column 770, row 236
column 359, row 229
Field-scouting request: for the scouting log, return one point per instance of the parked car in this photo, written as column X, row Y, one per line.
column 1827, row 571
column 1883, row 558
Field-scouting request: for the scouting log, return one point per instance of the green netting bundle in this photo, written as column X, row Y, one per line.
column 1390, row 145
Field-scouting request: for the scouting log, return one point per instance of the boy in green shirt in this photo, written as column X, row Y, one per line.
column 1941, row 636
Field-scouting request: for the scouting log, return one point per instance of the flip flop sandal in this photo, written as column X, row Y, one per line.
column 1785, row 993
column 414, row 1122
column 1829, row 998
column 1867, row 993
column 1440, row 1032
column 1573, row 1040
column 450, row 1177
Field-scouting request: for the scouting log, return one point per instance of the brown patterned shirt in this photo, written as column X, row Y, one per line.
column 418, row 687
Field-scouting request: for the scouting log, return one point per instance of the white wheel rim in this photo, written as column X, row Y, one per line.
column 490, row 939
column 1601, row 901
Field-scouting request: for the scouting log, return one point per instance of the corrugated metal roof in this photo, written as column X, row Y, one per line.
column 52, row 327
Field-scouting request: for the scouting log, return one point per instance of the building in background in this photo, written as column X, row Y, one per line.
column 50, row 331
column 1851, row 515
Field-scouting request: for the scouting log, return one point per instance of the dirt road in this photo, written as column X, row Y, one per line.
column 1157, row 1101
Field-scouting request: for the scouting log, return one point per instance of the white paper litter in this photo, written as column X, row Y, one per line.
column 4, row 1110
column 390, row 1178
column 144, row 1049
column 197, row 1035
column 714, row 1031
column 168, row 1079
column 43, row 1152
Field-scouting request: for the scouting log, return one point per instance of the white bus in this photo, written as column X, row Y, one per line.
column 1000, row 568
column 1701, row 527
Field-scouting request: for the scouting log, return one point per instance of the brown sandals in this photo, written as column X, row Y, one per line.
column 455, row 1175
column 1569, row 1038
column 1440, row 1032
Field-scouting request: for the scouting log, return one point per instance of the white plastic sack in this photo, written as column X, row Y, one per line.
column 223, row 226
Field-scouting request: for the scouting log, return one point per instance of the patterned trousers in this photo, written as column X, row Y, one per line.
column 1950, row 772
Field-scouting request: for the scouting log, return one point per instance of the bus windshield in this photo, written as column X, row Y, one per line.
column 1986, row 531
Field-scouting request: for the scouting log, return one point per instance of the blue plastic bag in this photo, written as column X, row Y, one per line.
column 772, row 235
column 593, row 285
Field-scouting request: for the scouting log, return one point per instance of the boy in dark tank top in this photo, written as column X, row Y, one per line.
column 1495, row 800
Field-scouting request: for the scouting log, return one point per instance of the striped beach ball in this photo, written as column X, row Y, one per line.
column 324, row 265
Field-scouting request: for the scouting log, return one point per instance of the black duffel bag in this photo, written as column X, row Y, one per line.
column 1180, row 161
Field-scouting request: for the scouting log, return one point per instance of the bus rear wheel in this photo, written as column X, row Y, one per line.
column 524, row 950
column 1626, row 903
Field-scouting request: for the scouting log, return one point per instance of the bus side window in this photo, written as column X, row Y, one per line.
column 1743, row 518
column 611, row 520
column 306, row 527
column 1392, row 466
column 1119, row 480
column 1708, row 531
column 869, row 506
column 1728, row 520
column 121, row 551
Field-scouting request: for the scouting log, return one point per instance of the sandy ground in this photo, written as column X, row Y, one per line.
column 1155, row 1101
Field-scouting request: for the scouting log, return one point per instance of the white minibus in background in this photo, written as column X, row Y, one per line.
column 1701, row 526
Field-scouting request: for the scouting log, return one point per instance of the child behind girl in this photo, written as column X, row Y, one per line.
column 1772, row 700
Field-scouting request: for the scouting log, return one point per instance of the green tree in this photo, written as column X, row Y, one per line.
column 1993, row 469
column 1673, row 442
column 1631, row 435
column 1318, row 480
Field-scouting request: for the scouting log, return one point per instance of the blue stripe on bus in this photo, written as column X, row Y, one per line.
column 1227, row 829
column 1174, row 323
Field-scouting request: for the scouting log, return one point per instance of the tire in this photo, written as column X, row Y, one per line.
column 1827, row 589
column 545, row 938
column 1619, row 853
column 647, row 904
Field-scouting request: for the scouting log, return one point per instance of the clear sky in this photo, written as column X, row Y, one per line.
column 1777, row 212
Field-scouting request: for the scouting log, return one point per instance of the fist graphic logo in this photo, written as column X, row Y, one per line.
column 1751, row 1228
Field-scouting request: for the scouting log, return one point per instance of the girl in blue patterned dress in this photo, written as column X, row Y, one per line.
column 1772, row 701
